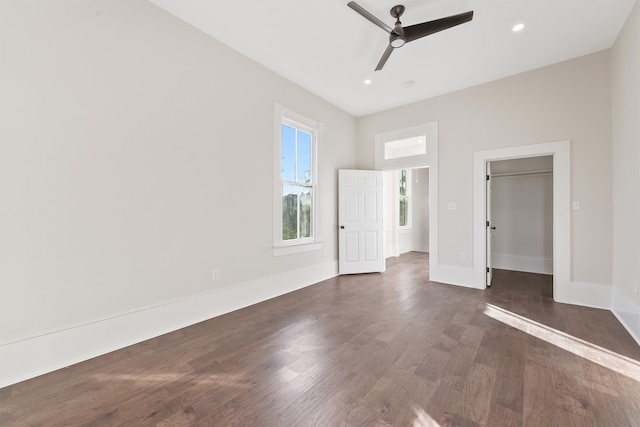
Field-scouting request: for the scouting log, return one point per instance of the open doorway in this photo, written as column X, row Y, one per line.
column 560, row 151
column 412, row 149
column 406, row 211
column 521, row 206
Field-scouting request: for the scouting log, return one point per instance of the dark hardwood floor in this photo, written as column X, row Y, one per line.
column 363, row 350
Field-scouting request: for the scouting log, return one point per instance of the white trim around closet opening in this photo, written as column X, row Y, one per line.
column 560, row 151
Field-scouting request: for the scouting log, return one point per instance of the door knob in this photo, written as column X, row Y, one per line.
column 493, row 228
column 342, row 227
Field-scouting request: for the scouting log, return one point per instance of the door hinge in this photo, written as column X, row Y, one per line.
column 487, row 269
column 488, row 177
column 488, row 223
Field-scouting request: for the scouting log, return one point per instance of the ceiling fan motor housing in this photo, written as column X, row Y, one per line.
column 396, row 37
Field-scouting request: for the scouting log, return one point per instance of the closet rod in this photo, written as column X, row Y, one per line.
column 541, row 172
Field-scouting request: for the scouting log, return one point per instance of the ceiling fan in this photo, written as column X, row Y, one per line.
column 399, row 35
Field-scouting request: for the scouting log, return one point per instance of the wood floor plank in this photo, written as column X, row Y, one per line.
column 539, row 407
column 570, row 419
column 608, row 410
column 510, row 362
column 500, row 415
column 390, row 349
column 571, row 395
column 342, row 403
column 459, row 365
column 597, row 377
column 630, row 398
column 477, row 393
column 444, row 403
column 394, row 397
column 186, row 417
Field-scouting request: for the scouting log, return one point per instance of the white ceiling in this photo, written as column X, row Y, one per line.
column 327, row 48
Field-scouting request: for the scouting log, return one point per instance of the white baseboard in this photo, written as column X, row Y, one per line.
column 627, row 312
column 527, row 264
column 451, row 275
column 35, row 356
column 589, row 295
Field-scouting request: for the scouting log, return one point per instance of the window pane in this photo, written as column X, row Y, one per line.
column 403, row 182
column 404, row 213
column 304, row 157
column 305, row 212
column 289, row 212
column 404, row 200
column 405, row 147
column 288, row 152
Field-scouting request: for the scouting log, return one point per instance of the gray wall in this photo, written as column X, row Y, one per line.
column 136, row 155
column 626, row 161
column 570, row 100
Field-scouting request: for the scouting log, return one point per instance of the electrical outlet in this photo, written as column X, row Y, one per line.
column 215, row 275
column 463, row 256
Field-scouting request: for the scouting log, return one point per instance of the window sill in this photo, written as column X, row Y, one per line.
column 296, row 248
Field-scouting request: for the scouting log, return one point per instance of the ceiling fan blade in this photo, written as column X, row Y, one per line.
column 355, row 6
column 414, row 32
column 385, row 56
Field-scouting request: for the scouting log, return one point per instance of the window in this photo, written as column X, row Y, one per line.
column 296, row 193
column 405, row 199
column 297, row 182
column 407, row 148
column 415, row 146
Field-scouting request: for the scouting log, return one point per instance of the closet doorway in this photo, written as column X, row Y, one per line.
column 560, row 150
column 521, row 206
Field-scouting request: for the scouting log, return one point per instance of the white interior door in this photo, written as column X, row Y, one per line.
column 360, row 226
column 490, row 227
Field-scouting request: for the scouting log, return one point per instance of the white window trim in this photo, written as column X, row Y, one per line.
column 281, row 247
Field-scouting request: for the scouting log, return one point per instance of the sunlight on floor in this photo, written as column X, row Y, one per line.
column 423, row 419
column 594, row 353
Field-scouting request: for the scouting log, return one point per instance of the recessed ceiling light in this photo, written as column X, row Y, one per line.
column 517, row 27
column 367, row 81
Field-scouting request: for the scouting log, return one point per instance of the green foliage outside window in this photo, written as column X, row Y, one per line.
column 404, row 200
column 297, row 200
column 291, row 205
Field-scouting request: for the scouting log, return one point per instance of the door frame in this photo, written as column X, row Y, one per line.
column 560, row 150
column 487, row 216
column 428, row 160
